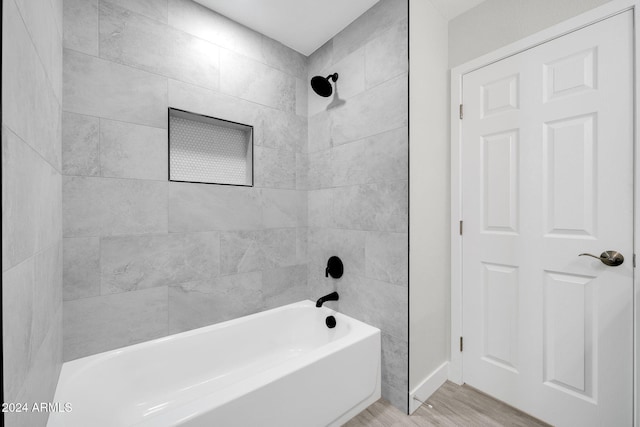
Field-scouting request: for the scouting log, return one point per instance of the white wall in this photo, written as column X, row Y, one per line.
column 429, row 279
column 496, row 23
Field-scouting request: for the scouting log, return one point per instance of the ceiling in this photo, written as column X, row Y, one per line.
column 303, row 25
column 452, row 8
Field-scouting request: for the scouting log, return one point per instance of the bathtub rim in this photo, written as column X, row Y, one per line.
column 108, row 354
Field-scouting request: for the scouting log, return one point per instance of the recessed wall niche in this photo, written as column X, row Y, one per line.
column 209, row 150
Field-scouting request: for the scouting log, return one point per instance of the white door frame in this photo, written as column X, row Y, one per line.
column 602, row 12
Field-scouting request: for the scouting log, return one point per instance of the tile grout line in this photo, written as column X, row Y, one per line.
column 36, row 152
column 169, row 78
column 35, row 49
column 364, row 138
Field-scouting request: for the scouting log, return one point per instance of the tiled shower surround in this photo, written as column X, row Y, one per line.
column 357, row 177
column 31, row 204
column 144, row 257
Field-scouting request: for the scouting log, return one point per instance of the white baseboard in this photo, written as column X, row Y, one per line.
column 428, row 386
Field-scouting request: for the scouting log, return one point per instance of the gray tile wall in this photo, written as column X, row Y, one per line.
column 31, row 204
column 144, row 257
column 356, row 171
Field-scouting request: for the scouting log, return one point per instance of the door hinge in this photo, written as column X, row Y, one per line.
column 461, row 111
column 461, row 344
column 461, row 228
column 634, row 260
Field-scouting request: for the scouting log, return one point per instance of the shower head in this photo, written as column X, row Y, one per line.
column 322, row 86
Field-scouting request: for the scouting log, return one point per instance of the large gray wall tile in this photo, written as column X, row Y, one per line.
column 202, row 303
column 386, row 257
column 31, row 205
column 47, row 292
column 370, row 24
column 156, row 9
column 386, row 306
column 81, row 266
column 376, row 207
column 17, row 287
column 58, row 13
column 395, row 362
column 284, row 285
column 274, row 168
column 283, row 58
column 278, row 246
column 302, row 166
column 281, row 130
column 302, row 244
column 133, row 151
column 397, row 397
column 284, row 208
column 135, row 40
column 320, row 170
column 319, row 132
column 29, row 104
column 202, row 207
column 33, row 292
column 241, row 252
column 94, row 325
column 202, row 22
column 387, row 55
column 80, row 145
column 46, row 38
column 320, row 208
column 244, row 251
column 105, row 207
column 188, row 97
column 105, row 89
column 81, row 26
column 41, row 380
column 137, row 262
column 254, row 81
column 379, row 158
column 302, row 97
column 380, row 109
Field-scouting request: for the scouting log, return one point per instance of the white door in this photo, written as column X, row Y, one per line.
column 547, row 165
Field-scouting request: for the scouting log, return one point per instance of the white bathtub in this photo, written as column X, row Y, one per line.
column 282, row 367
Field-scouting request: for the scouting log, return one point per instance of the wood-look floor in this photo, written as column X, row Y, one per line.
column 451, row 406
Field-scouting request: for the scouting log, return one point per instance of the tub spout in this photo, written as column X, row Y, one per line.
column 333, row 296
